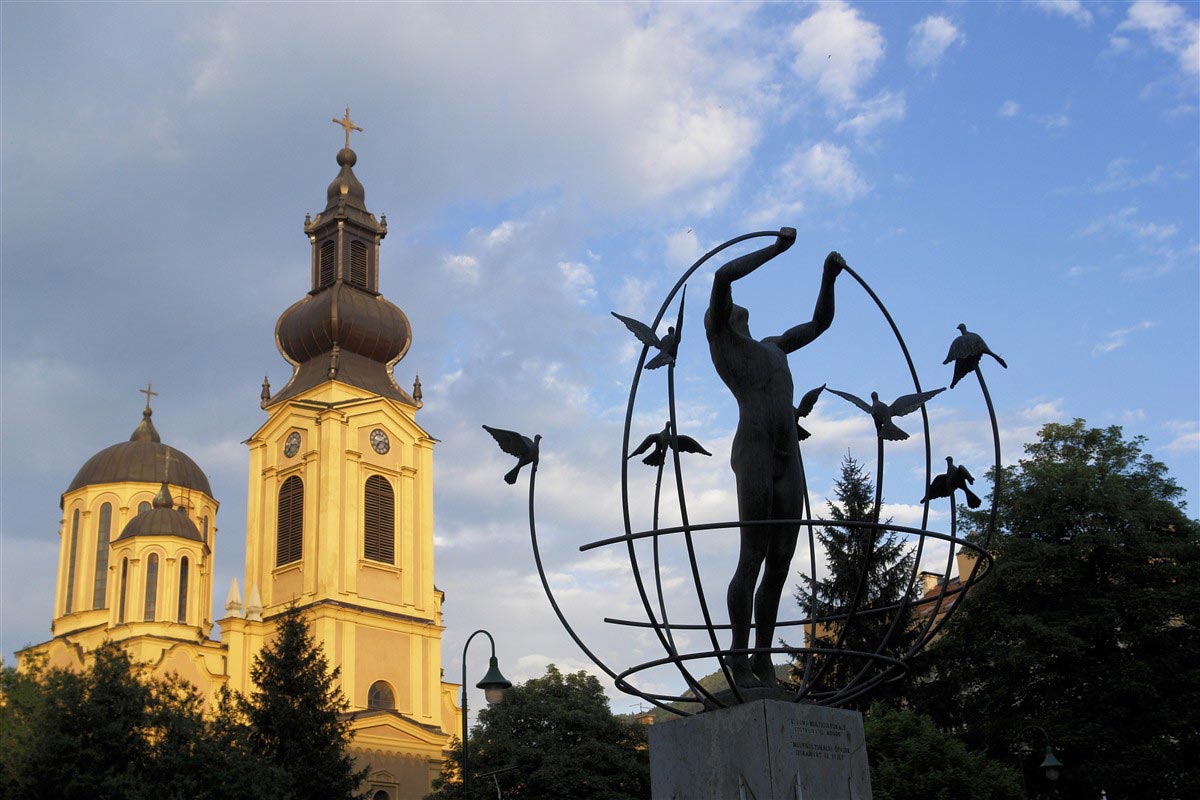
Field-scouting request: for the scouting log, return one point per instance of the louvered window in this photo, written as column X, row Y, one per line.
column 380, row 695
column 327, row 264
column 124, row 587
column 151, row 588
column 181, row 616
column 103, row 531
column 289, row 542
column 71, row 561
column 358, row 264
column 379, row 522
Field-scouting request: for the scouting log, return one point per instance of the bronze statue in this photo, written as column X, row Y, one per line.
column 766, row 451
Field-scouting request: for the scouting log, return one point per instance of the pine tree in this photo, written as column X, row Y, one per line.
column 296, row 718
column 887, row 583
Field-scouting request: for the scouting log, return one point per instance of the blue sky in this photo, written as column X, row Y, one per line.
column 1029, row 169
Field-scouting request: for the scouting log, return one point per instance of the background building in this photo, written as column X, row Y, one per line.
column 340, row 522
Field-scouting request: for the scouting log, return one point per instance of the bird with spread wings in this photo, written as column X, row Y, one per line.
column 515, row 444
column 661, row 442
column 883, row 412
column 965, row 351
column 667, row 346
column 955, row 477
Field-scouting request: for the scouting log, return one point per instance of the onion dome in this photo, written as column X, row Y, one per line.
column 344, row 329
column 161, row 519
column 142, row 459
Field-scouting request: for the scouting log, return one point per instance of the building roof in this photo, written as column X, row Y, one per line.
column 142, row 459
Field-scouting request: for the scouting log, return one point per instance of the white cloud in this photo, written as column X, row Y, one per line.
column 1008, row 109
column 1115, row 340
column 931, row 38
column 823, row 170
column 1052, row 121
column 1125, row 221
column 1186, row 436
column 1118, row 176
column 501, row 233
column 1073, row 10
column 683, row 248
column 1169, row 27
column 632, row 296
column 462, row 268
column 837, row 50
column 870, row 114
column 578, row 280
column 1079, row 271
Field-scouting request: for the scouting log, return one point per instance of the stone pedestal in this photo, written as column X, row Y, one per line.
column 763, row 750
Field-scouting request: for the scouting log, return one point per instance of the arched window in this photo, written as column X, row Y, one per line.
column 124, row 586
column 326, row 264
column 358, row 264
column 103, row 530
column 379, row 520
column 380, row 695
column 181, row 616
column 289, row 531
column 71, row 561
column 143, row 507
column 206, row 529
column 381, row 795
column 151, row 587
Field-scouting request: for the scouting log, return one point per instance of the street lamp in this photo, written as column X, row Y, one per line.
column 493, row 685
column 1051, row 767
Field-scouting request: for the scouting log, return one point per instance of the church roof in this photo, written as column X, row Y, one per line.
column 142, row 459
column 162, row 520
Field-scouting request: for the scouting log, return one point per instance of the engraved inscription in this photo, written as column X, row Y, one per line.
column 822, row 741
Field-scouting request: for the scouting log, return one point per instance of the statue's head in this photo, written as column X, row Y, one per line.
column 739, row 319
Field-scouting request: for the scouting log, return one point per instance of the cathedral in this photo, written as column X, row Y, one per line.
column 339, row 520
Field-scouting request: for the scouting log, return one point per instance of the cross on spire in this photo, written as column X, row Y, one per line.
column 348, row 125
column 147, row 391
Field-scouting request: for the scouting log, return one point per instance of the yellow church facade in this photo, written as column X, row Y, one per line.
column 339, row 521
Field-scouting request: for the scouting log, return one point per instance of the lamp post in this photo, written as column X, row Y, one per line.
column 1051, row 767
column 493, row 685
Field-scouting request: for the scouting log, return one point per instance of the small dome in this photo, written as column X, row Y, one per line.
column 162, row 520
column 346, row 186
column 142, row 459
column 349, row 317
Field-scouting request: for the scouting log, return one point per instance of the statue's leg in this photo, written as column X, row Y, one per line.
column 754, row 501
column 781, row 546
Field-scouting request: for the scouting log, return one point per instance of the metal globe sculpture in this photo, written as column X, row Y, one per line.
column 788, row 515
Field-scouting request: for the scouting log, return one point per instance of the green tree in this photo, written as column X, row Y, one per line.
column 295, row 717
column 912, row 760
column 564, row 741
column 1086, row 624
column 888, row 579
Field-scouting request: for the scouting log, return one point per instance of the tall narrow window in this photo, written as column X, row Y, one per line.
column 289, row 542
column 379, row 520
column 206, row 529
column 151, row 587
column 71, row 561
column 326, row 264
column 181, row 616
column 124, row 586
column 143, row 507
column 358, row 264
column 103, row 530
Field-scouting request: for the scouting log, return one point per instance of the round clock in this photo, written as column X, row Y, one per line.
column 379, row 441
column 291, row 445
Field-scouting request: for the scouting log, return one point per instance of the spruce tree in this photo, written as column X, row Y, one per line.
column 889, row 573
column 296, row 716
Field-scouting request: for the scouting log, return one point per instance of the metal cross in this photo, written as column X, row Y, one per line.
column 348, row 124
column 148, row 394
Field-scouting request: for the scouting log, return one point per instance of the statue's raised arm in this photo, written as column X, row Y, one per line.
column 800, row 335
column 720, row 305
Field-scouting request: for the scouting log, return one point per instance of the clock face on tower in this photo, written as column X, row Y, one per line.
column 379, row 441
column 291, row 445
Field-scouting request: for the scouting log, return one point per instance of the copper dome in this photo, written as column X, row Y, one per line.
column 346, row 316
column 142, row 459
column 162, row 520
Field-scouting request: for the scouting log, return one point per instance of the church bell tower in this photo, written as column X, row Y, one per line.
column 340, row 502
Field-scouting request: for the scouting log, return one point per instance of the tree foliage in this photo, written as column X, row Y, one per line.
column 912, row 760
column 564, row 741
column 1086, row 624
column 887, row 582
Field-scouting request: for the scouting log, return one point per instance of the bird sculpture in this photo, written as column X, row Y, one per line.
column 882, row 413
column 661, row 442
column 667, row 346
column 513, row 443
column 965, row 352
column 955, row 477
column 805, row 408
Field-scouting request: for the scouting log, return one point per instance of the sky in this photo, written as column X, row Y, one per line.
column 1029, row 169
